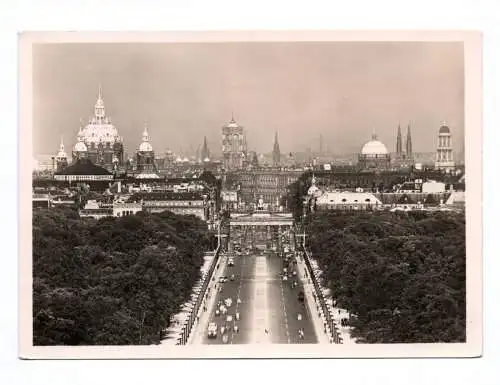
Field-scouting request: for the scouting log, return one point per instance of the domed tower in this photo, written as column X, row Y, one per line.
column 444, row 151
column 103, row 144
column 61, row 158
column 234, row 147
column 80, row 149
column 374, row 155
column 145, row 154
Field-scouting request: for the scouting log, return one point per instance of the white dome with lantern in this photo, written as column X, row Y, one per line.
column 99, row 128
column 61, row 154
column 374, row 147
column 145, row 146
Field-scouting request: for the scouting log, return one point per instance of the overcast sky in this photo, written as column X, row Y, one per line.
column 184, row 91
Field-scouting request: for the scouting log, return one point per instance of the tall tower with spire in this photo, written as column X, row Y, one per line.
column 399, row 144
column 234, row 146
column 409, row 148
column 276, row 151
column 205, row 152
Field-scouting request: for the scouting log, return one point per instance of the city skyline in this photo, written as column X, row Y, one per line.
column 341, row 91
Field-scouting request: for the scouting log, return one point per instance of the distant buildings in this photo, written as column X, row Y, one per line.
column 183, row 203
column 270, row 185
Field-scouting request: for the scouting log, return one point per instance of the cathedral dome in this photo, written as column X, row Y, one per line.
column 374, row 147
column 99, row 128
column 97, row 131
column 80, row 147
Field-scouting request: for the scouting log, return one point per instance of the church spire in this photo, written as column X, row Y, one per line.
column 399, row 142
column 205, row 153
column 276, row 150
column 374, row 135
column 409, row 147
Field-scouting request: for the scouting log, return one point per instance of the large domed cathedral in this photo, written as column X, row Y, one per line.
column 99, row 140
column 374, row 155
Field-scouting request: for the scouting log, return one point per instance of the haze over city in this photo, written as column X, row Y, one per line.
column 184, row 91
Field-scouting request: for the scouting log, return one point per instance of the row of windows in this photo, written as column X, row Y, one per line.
column 173, row 203
column 83, row 177
column 125, row 213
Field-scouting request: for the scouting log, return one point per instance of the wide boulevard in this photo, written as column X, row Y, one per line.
column 268, row 306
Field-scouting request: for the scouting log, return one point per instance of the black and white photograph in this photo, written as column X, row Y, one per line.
column 245, row 195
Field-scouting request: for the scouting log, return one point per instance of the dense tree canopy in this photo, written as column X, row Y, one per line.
column 112, row 281
column 401, row 274
column 295, row 194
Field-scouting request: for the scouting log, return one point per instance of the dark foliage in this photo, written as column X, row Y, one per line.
column 114, row 281
column 295, row 194
column 401, row 275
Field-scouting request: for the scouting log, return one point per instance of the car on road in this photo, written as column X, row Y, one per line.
column 222, row 279
column 212, row 330
column 225, row 338
column 228, row 302
column 229, row 318
column 230, row 262
column 232, row 277
column 301, row 296
column 285, row 277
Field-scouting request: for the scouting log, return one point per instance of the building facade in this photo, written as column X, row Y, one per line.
column 181, row 203
column 270, row 185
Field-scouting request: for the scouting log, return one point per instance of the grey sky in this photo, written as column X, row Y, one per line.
column 187, row 90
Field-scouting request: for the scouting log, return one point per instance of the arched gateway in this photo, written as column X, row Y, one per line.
column 262, row 229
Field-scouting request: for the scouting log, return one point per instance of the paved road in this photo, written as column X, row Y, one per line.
column 267, row 302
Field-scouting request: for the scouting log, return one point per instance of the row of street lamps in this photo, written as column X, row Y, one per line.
column 188, row 326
